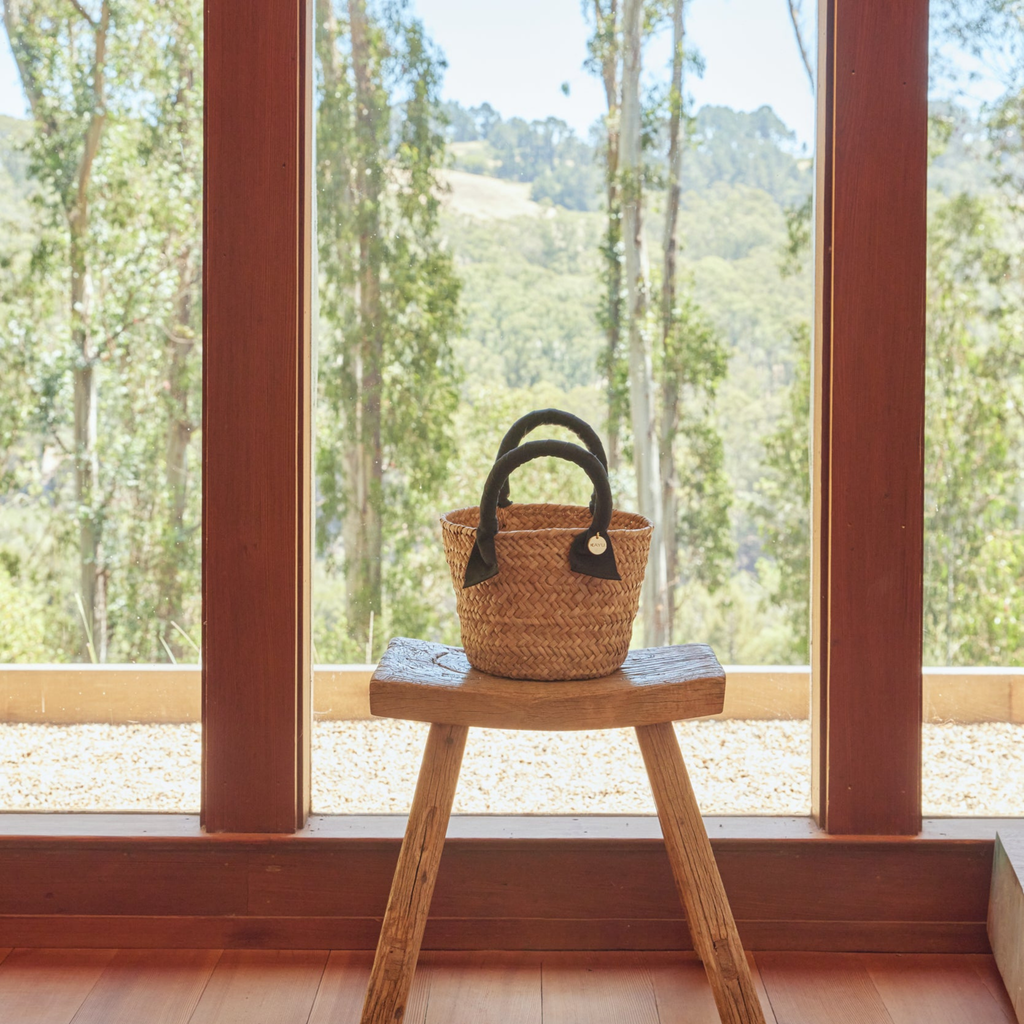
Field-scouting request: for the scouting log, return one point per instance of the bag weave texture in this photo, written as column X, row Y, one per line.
column 537, row 619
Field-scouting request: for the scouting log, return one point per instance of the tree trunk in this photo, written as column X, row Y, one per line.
column 91, row 577
column 607, row 29
column 181, row 342
column 364, row 485
column 670, row 383
column 641, row 375
column 92, row 573
column 794, row 17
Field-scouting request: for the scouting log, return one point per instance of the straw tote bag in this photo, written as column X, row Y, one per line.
column 546, row 591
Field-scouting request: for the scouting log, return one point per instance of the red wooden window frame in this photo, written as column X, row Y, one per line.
column 868, row 399
column 256, row 415
column 869, row 415
column 152, row 880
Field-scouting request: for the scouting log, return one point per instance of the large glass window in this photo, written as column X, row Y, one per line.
column 475, row 262
column 974, row 467
column 100, row 369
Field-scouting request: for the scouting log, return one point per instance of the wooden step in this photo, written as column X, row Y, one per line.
column 1006, row 916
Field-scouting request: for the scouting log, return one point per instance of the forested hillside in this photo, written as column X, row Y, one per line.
column 472, row 267
column 531, row 335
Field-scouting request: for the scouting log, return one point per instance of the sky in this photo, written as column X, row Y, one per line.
column 516, row 56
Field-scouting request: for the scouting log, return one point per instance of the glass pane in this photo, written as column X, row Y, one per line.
column 100, row 371
column 974, row 427
column 475, row 263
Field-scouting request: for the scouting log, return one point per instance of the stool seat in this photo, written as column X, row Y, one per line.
column 425, row 682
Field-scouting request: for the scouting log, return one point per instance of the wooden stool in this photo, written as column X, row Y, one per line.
column 425, row 682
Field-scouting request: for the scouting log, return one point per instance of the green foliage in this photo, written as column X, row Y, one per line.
column 107, row 198
column 564, row 185
column 781, row 507
column 695, row 359
column 755, row 149
column 974, row 536
column 23, row 638
column 799, row 226
column 389, row 305
column 475, row 321
column 547, row 153
column 527, row 295
column 739, row 620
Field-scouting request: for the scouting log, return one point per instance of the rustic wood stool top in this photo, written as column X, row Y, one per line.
column 425, row 682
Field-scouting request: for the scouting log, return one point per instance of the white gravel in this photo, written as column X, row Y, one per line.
column 367, row 767
column 93, row 767
column 597, row 772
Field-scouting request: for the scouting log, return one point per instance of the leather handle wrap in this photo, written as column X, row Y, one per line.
column 483, row 561
column 549, row 417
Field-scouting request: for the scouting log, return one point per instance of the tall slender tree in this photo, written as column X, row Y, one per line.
column 74, row 56
column 670, row 375
column 115, row 159
column 175, row 147
column 604, row 59
column 691, row 363
column 646, row 461
column 799, row 35
column 389, row 295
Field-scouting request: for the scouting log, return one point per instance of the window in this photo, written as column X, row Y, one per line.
column 100, row 361
column 472, row 267
column 867, row 394
column 974, row 428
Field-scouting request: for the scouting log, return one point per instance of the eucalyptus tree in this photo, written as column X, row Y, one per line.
column 109, row 300
column 690, row 364
column 388, row 298
column 663, row 361
column 646, row 461
column 604, row 55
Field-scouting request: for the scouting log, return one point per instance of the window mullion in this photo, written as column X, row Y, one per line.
column 869, row 415
column 256, row 480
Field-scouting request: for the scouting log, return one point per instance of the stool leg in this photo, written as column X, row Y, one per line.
column 413, row 885
column 697, row 879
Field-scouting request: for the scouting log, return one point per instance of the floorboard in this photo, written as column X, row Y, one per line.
column 157, row 986
column 261, row 986
column 597, row 988
column 419, row 996
column 935, row 989
column 821, row 988
column 989, row 971
column 39, row 986
column 47, row 986
column 762, row 992
column 339, row 998
column 681, row 989
column 503, row 988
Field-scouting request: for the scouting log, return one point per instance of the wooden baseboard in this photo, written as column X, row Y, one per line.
column 1006, row 916
column 534, row 883
column 539, row 934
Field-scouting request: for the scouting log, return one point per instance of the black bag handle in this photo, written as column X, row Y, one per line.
column 552, row 418
column 590, row 552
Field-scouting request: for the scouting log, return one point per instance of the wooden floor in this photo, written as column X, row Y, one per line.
column 39, row 986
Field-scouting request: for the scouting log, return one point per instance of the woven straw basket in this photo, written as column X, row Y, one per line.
column 546, row 591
